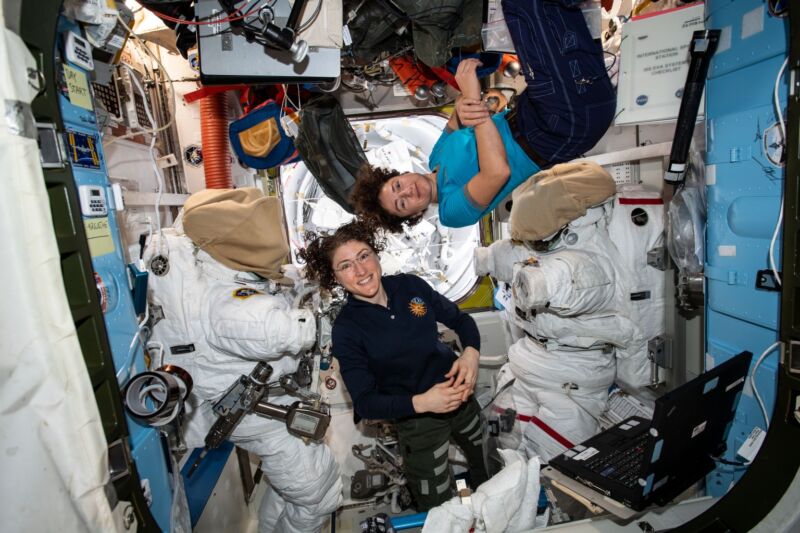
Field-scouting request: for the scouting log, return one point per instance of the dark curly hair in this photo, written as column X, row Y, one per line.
column 319, row 251
column 365, row 194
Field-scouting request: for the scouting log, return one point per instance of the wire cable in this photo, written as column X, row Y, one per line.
column 763, row 355
column 171, row 120
column 311, row 19
column 153, row 161
column 129, row 366
column 208, row 22
column 782, row 124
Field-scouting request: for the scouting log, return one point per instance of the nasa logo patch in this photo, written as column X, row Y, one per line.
column 244, row 294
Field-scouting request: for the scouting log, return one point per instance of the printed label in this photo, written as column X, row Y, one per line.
column 83, row 149
column 699, row 428
column 734, row 384
column 183, row 348
column 753, row 443
column 98, row 235
column 502, row 297
column 77, row 87
column 753, row 22
column 586, row 454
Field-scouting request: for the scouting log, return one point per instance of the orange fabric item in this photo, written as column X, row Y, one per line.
column 216, row 150
column 411, row 74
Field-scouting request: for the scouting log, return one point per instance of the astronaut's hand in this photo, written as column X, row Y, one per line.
column 465, row 371
column 441, row 398
column 467, row 78
column 471, row 112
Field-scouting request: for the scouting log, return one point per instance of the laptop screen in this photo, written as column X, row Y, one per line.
column 690, row 425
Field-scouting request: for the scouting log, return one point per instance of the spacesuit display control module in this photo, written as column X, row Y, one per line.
column 247, row 395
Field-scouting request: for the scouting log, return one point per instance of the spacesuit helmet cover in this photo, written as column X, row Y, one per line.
column 240, row 228
column 555, row 197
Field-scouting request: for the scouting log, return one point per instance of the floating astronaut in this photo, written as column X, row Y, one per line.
column 585, row 300
column 219, row 306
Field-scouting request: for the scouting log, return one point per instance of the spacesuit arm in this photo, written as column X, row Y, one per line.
column 259, row 326
column 362, row 384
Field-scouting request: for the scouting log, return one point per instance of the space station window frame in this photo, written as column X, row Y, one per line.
column 485, row 225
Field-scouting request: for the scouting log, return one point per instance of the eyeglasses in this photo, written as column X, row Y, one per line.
column 346, row 267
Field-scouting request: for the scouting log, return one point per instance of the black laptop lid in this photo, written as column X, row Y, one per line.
column 689, row 425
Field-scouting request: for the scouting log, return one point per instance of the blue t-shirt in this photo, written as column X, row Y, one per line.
column 456, row 155
column 389, row 354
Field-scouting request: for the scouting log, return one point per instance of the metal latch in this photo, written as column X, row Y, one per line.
column 766, row 281
column 657, row 258
column 659, row 350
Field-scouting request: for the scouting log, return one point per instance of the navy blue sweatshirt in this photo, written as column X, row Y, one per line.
column 389, row 354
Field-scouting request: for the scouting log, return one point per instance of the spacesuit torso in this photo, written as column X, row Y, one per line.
column 217, row 323
column 582, row 313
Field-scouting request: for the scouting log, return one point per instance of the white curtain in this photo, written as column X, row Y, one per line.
column 52, row 446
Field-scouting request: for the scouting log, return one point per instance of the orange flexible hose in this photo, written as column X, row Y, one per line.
column 214, row 132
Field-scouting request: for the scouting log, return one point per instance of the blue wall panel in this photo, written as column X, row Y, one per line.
column 109, row 263
column 744, row 192
column 749, row 34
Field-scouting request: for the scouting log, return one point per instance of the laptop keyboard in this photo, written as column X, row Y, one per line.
column 622, row 466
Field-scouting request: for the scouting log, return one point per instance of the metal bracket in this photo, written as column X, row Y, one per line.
column 249, row 481
column 659, row 350
column 657, row 258
column 507, row 419
column 119, row 461
column 691, row 291
column 766, row 281
column 52, row 152
column 792, row 357
column 156, row 315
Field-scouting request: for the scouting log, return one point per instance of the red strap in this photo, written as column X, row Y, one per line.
column 206, row 90
column 641, row 201
column 446, row 76
column 541, row 424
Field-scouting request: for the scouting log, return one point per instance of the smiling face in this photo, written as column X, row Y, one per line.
column 406, row 195
column 358, row 270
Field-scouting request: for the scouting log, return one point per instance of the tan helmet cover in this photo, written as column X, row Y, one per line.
column 240, row 228
column 555, row 197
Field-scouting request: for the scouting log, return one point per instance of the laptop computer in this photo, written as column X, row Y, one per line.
column 638, row 461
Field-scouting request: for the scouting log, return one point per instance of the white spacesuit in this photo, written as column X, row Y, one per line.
column 217, row 323
column 583, row 309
